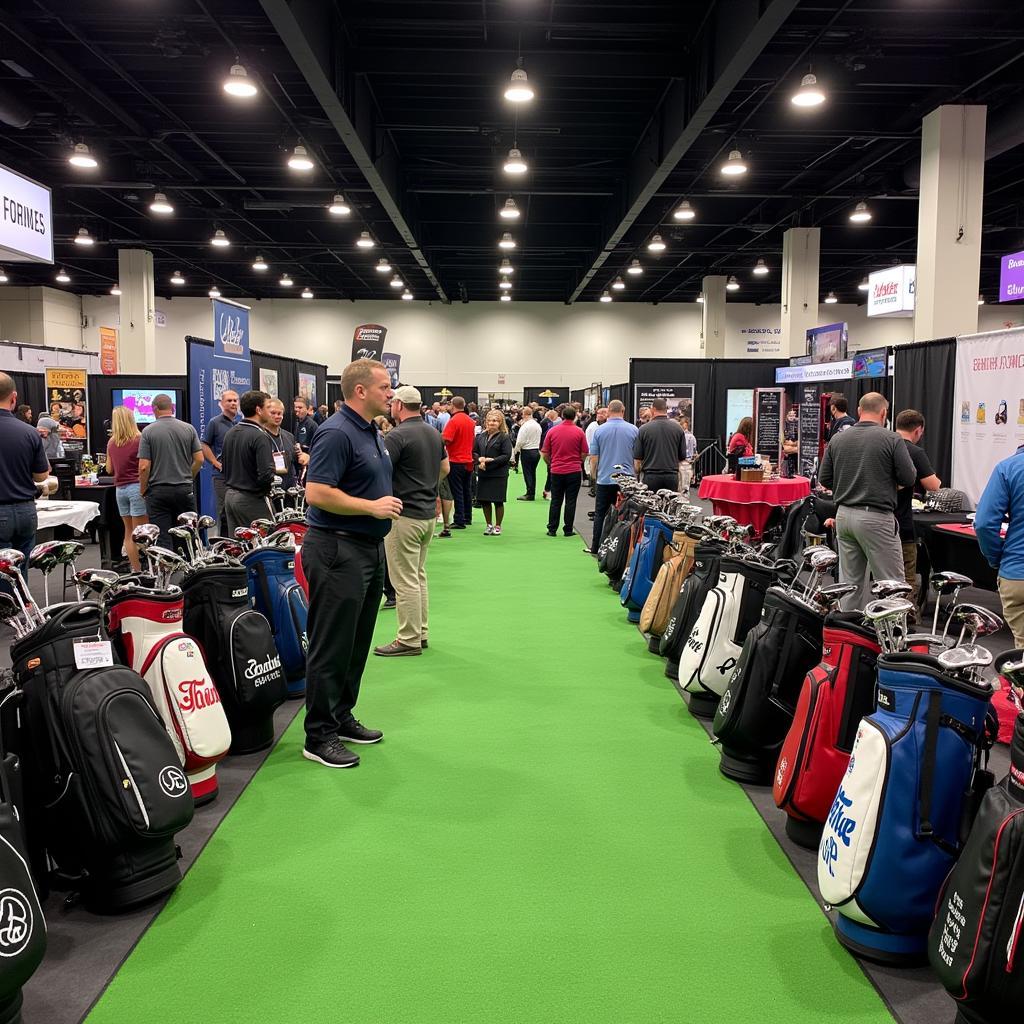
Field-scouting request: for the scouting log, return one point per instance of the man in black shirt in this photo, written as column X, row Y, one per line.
column 418, row 463
column 305, row 424
column 910, row 426
column 248, row 461
column 841, row 419
column 659, row 449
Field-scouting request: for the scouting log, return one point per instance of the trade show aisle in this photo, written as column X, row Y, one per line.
column 542, row 836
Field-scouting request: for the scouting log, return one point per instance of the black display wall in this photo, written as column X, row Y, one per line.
column 533, row 395
column 925, row 381
column 333, row 391
column 288, row 371
column 320, row 372
column 431, row 393
column 619, row 391
column 578, row 396
column 31, row 388
column 101, row 404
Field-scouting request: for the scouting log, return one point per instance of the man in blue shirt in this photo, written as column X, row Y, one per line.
column 350, row 510
column 1003, row 498
column 213, row 446
column 611, row 452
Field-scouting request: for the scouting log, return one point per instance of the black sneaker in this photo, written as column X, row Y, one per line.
column 390, row 603
column 355, row 732
column 552, row 533
column 445, row 533
column 569, row 533
column 458, row 526
column 331, row 753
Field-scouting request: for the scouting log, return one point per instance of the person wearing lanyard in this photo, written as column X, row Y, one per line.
column 350, row 508
column 286, row 451
column 248, row 462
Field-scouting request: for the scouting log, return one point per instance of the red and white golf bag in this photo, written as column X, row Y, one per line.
column 172, row 663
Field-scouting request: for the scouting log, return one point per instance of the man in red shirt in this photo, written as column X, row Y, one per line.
column 564, row 449
column 458, row 436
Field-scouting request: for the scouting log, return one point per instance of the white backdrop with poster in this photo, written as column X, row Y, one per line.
column 988, row 410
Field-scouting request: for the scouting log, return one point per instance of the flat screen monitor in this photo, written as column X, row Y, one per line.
column 140, row 401
column 871, row 362
column 827, row 344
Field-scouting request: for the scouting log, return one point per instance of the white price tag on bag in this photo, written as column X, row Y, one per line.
column 93, row 654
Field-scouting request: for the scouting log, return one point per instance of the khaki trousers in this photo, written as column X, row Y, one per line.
column 1011, row 593
column 910, row 566
column 406, row 547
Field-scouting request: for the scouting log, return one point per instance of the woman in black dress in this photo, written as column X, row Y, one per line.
column 492, row 450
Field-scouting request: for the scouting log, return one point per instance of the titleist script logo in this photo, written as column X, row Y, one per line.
column 695, row 643
column 843, row 828
column 15, row 922
column 197, row 694
column 241, row 592
column 172, row 781
column 260, row 672
column 232, row 334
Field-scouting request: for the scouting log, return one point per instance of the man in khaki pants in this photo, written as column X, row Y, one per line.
column 418, row 464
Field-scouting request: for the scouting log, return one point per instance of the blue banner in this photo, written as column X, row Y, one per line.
column 231, row 331
column 392, row 362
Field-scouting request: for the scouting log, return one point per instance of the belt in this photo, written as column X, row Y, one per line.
column 20, row 501
column 870, row 508
column 365, row 539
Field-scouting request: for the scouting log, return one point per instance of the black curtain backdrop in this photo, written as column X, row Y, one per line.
column 925, row 374
column 619, row 391
column 577, row 396
column 285, row 370
column 431, row 393
column 31, row 388
column 320, row 372
column 533, row 395
column 333, row 391
column 101, row 400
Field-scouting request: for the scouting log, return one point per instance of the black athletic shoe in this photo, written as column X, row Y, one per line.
column 552, row 533
column 391, row 603
column 355, row 732
column 568, row 533
column 524, row 497
column 332, row 753
column 458, row 526
column 445, row 533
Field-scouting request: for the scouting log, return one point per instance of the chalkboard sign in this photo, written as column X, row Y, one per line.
column 810, row 427
column 768, row 423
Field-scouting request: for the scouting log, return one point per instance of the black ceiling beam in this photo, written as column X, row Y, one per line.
column 306, row 30
column 733, row 38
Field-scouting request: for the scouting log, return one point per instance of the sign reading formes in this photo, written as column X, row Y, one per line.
column 26, row 222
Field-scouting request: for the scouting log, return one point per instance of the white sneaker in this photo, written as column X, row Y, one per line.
column 490, row 530
column 496, row 531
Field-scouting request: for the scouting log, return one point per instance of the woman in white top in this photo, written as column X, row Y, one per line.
column 527, row 451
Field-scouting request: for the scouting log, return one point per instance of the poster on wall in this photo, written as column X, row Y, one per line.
column 108, row 350
column 392, row 362
column 808, row 397
column 268, row 382
column 67, row 402
column 678, row 398
column 988, row 410
column 368, row 341
column 307, row 388
column 827, row 344
column 768, row 404
column 739, row 402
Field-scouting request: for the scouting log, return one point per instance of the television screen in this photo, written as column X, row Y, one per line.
column 827, row 344
column 140, row 401
column 873, row 362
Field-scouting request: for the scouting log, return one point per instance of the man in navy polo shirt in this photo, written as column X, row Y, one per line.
column 23, row 465
column 350, row 510
column 305, row 423
column 213, row 445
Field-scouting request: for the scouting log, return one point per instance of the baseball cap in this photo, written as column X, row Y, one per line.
column 408, row 395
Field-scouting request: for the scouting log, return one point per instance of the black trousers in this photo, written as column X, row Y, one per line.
column 529, row 457
column 460, row 480
column 346, row 578
column 164, row 503
column 564, row 486
column 604, row 499
column 662, row 481
column 219, row 487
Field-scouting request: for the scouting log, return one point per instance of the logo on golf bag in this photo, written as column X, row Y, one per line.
column 723, row 706
column 172, row 781
column 261, row 672
column 196, row 696
column 826, row 652
column 843, row 825
column 695, row 643
column 187, row 647
column 886, row 699
column 243, row 592
column 304, row 640
column 726, row 665
column 671, row 627
column 783, row 771
column 15, row 922
column 172, row 615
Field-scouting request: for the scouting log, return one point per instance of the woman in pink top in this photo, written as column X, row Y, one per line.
column 123, row 463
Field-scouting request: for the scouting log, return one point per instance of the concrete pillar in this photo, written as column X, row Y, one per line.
column 137, row 334
column 801, row 250
column 712, row 324
column 949, row 222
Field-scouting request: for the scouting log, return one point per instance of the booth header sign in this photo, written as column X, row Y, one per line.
column 842, row 370
column 26, row 223
column 1011, row 277
column 891, row 291
column 368, row 341
column 231, row 330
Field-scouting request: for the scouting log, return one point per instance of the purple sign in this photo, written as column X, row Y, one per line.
column 1011, row 277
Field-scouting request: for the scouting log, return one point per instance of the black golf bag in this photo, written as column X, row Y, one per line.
column 100, row 770
column 240, row 652
column 617, row 548
column 757, row 708
column 707, row 561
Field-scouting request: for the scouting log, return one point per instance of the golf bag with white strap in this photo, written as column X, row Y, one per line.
column 712, row 650
column 759, row 703
column 276, row 595
column 100, row 769
column 240, row 653
column 149, row 628
column 647, row 558
column 976, row 943
column 707, row 561
column 897, row 822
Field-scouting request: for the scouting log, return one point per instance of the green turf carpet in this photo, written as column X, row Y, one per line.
column 543, row 836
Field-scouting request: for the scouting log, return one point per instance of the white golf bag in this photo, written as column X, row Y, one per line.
column 172, row 663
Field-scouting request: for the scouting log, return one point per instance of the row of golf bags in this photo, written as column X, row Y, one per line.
column 875, row 740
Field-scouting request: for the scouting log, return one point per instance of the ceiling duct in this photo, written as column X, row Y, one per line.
column 13, row 112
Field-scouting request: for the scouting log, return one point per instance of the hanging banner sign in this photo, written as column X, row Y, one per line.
column 678, row 398
column 368, row 341
column 392, row 362
column 808, row 397
column 768, row 423
column 1011, row 277
column 842, row 370
column 108, row 350
column 891, row 291
column 230, row 330
column 67, row 397
column 26, row 221
column 988, row 413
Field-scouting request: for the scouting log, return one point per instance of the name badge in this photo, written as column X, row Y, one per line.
column 93, row 654
column 279, row 462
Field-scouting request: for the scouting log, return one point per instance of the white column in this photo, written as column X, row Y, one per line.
column 801, row 251
column 712, row 323
column 949, row 222
column 137, row 333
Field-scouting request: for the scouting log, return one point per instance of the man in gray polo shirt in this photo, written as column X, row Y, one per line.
column 864, row 466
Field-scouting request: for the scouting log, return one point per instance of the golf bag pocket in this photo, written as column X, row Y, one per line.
column 279, row 598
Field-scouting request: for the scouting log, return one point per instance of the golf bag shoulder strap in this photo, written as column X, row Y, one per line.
column 931, row 743
column 260, row 573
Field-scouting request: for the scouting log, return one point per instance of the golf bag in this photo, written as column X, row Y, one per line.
column 100, row 769
column 647, row 558
column 976, row 943
column 707, row 561
column 616, row 549
column 758, row 706
column 897, row 822
column 668, row 583
column 835, row 696
column 240, row 652
column 149, row 629
column 730, row 612
column 277, row 595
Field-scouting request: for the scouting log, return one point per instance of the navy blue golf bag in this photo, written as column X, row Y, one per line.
column 277, row 596
column 904, row 806
column 647, row 558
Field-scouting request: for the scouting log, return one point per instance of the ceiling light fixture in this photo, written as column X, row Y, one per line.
column 505, row 284
column 220, row 240
column 831, row 298
column 656, row 244
column 260, row 264
column 3, row 276
column 505, row 297
column 364, row 241
column 115, row 290
column 82, row 157
column 299, row 160
column 286, row 281
column 339, row 208
column 700, row 299
column 510, row 211
column 634, row 268
column 507, row 241
column 306, row 293
column 383, row 267
column 684, row 211
column 809, row 94
column 861, row 214
column 160, row 204
column 176, row 278
column 506, row 267
column 238, row 83
column 396, row 282
column 735, row 164
column 732, row 285
column 63, row 277
column 519, row 89
column 618, row 284
column 407, row 295
column 864, row 286
column 214, row 292
column 761, row 268
column 83, row 237
column 514, row 162
column 606, row 296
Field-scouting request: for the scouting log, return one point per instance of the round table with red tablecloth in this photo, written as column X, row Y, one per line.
column 751, row 503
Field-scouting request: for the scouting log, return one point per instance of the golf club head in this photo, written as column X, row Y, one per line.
column 11, row 559
column 1010, row 665
column 44, row 556
column 8, row 607
column 965, row 658
column 205, row 522
column 890, row 588
column 226, row 546
column 808, row 552
column 247, row 535
column 888, row 616
column 146, row 535
column 263, row 526
column 187, row 519
column 945, row 582
column 829, row 598
column 975, row 621
column 822, row 559
column 99, row 581
column 281, row 539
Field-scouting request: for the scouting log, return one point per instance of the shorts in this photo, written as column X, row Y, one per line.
column 444, row 490
column 129, row 501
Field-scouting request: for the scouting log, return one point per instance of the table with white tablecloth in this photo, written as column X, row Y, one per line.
column 76, row 514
